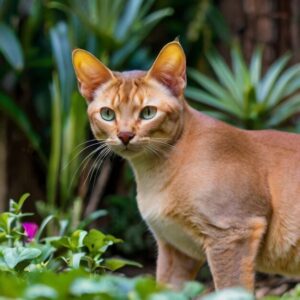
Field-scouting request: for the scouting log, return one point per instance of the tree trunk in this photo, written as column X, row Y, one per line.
column 271, row 23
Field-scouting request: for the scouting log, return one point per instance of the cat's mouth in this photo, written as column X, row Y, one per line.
column 126, row 151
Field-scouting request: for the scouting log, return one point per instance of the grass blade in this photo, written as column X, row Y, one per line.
column 56, row 135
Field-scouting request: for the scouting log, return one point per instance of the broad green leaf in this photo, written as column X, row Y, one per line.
column 76, row 239
column 119, row 56
column 95, row 241
column 13, row 256
column 6, row 220
column 40, row 291
column 63, row 241
column 106, row 287
column 2, row 236
column 150, row 21
column 267, row 83
column 230, row 294
column 146, row 286
column 76, row 259
column 128, row 17
column 46, row 251
column 11, row 47
column 62, row 53
column 114, row 264
column 192, row 289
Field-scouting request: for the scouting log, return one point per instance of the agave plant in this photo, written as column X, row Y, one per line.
column 243, row 96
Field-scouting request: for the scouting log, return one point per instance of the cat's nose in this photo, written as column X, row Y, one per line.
column 126, row 136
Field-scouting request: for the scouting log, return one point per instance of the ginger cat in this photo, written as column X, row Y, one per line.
column 207, row 190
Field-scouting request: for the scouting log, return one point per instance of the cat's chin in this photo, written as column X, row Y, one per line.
column 128, row 152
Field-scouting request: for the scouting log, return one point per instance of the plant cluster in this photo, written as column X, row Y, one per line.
column 242, row 96
column 23, row 247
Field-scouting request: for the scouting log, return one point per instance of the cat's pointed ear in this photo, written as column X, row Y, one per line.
column 169, row 68
column 91, row 72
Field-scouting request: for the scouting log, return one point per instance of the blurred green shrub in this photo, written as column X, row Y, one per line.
column 24, row 246
column 245, row 98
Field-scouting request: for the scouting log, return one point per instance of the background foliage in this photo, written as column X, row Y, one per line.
column 239, row 71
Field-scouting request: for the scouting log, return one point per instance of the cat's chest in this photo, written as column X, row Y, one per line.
column 152, row 208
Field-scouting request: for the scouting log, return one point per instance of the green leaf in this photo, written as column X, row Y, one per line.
column 128, row 17
column 13, row 256
column 107, row 287
column 230, row 294
column 280, row 86
column 267, row 83
column 62, row 53
column 241, row 73
column 284, row 111
column 255, row 66
column 207, row 99
column 43, row 226
column 225, row 76
column 192, row 289
column 76, row 259
column 40, row 291
column 22, row 200
column 76, row 239
column 6, row 220
column 210, row 85
column 95, row 241
column 146, row 286
column 11, row 47
column 114, row 264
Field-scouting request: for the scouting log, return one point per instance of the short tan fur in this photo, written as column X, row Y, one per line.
column 207, row 190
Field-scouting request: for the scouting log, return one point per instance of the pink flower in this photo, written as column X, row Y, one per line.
column 30, row 229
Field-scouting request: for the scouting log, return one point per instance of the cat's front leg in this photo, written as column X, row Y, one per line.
column 231, row 255
column 174, row 267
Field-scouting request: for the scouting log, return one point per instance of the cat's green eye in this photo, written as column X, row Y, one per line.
column 107, row 114
column 148, row 112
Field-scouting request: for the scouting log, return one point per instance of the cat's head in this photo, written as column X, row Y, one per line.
column 135, row 112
